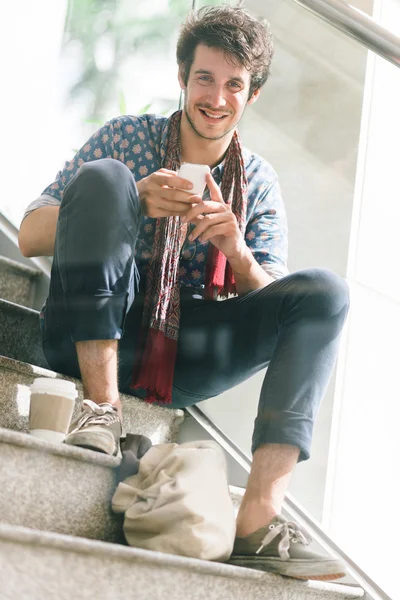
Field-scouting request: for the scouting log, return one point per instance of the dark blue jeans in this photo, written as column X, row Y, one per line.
column 292, row 326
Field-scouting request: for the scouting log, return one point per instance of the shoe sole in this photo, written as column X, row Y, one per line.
column 95, row 441
column 297, row 569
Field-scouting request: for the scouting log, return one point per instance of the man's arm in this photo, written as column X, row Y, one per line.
column 249, row 275
column 38, row 228
column 38, row 232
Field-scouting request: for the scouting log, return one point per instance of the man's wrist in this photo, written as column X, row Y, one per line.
column 249, row 275
column 242, row 261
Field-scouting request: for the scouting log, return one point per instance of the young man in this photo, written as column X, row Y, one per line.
column 139, row 262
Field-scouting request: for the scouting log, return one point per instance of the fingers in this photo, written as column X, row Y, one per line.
column 160, row 213
column 206, row 207
column 163, row 194
column 215, row 191
column 220, row 229
column 171, row 179
column 207, row 224
column 174, row 195
column 167, row 213
column 172, row 207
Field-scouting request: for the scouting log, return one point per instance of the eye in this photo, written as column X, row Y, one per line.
column 234, row 84
column 205, row 78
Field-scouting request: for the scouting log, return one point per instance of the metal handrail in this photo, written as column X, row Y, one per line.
column 293, row 508
column 357, row 25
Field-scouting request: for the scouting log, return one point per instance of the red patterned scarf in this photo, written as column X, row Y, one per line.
column 157, row 348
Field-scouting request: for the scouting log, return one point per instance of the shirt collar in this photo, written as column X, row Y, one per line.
column 218, row 170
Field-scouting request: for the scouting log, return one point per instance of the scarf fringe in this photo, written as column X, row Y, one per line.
column 220, row 280
column 154, row 368
column 221, row 291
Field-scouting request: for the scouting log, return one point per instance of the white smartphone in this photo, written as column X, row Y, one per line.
column 196, row 174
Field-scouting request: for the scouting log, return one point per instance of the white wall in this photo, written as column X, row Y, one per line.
column 30, row 38
column 307, row 124
column 362, row 491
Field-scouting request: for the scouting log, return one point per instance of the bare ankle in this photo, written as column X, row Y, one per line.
column 253, row 515
column 246, row 525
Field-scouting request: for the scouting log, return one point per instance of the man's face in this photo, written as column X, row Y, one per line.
column 216, row 94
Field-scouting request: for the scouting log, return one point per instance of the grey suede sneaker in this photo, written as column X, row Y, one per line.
column 97, row 428
column 282, row 547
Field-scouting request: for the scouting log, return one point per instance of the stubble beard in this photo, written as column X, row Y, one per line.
column 206, row 137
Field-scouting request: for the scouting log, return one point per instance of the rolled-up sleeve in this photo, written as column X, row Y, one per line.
column 102, row 144
column 267, row 232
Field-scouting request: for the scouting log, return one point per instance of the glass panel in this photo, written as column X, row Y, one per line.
column 306, row 123
column 332, row 135
column 120, row 57
column 364, row 437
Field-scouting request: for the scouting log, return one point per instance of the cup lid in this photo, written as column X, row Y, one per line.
column 48, row 384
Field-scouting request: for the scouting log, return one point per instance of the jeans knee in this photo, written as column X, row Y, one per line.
column 102, row 169
column 328, row 292
column 105, row 182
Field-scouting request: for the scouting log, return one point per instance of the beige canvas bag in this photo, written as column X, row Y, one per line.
column 178, row 501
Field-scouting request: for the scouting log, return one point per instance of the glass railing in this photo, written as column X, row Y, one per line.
column 306, row 123
column 328, row 122
column 358, row 25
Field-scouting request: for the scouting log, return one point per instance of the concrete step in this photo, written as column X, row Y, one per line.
column 20, row 336
column 66, row 490
column 157, row 422
column 60, row 488
column 17, row 282
column 40, row 565
column 56, row 487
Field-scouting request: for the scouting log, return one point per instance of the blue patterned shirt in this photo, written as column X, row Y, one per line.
column 140, row 143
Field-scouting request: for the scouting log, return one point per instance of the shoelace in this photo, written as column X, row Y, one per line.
column 290, row 531
column 96, row 414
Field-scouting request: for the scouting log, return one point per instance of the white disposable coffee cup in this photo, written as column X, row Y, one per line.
column 51, row 407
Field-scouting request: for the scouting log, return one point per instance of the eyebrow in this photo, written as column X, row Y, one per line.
column 205, row 72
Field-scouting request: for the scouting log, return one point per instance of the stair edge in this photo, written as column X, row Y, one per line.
column 27, row 441
column 18, row 267
column 11, row 364
column 63, row 542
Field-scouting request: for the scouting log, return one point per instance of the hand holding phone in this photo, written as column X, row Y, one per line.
column 196, row 174
column 166, row 193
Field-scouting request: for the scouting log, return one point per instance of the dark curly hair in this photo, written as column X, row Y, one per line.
column 233, row 30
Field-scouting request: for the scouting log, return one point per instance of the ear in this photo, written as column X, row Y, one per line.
column 180, row 78
column 254, row 96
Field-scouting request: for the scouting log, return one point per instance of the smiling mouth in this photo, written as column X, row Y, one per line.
column 212, row 116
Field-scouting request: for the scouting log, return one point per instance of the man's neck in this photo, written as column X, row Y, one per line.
column 197, row 150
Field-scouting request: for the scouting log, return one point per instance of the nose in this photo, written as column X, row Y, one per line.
column 217, row 96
